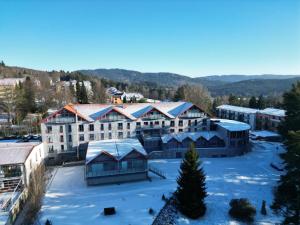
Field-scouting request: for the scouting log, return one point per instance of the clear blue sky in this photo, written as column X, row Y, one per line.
column 194, row 38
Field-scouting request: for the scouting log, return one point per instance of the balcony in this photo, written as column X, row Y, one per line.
column 114, row 172
column 62, row 120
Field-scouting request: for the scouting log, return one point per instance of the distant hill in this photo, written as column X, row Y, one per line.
column 254, row 87
column 237, row 78
column 217, row 84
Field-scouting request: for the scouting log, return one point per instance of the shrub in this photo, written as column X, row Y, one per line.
column 48, row 222
column 241, row 209
column 163, row 197
column 263, row 209
column 151, row 211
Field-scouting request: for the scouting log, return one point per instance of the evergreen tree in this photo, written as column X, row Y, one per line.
column 291, row 103
column 2, row 63
column 233, row 100
column 261, row 102
column 29, row 95
column 263, row 209
column 252, row 102
column 191, row 190
column 83, row 94
column 78, row 91
column 124, row 99
column 179, row 94
column 287, row 194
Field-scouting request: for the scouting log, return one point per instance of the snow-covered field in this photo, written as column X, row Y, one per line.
column 69, row 201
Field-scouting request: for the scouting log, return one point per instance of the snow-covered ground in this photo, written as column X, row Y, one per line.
column 69, row 201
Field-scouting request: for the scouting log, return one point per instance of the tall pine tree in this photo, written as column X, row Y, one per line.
column 252, row 102
column 287, row 193
column 291, row 103
column 191, row 190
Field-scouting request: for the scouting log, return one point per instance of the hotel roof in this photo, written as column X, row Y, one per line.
column 132, row 111
column 192, row 135
column 117, row 148
column 273, row 112
column 15, row 153
column 232, row 125
column 238, row 109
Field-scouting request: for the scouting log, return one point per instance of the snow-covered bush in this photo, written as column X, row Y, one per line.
column 241, row 209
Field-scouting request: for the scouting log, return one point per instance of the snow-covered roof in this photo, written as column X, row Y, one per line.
column 264, row 133
column 15, row 153
column 117, row 148
column 133, row 111
column 11, row 81
column 273, row 112
column 232, row 125
column 237, row 109
column 192, row 135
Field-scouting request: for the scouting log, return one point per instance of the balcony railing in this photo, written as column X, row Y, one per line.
column 62, row 120
column 114, row 172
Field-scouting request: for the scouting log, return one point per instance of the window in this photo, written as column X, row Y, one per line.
column 163, row 123
column 62, row 148
column 128, row 126
column 195, row 122
column 120, row 126
column 172, row 124
column 101, row 126
column 124, row 165
column 69, row 128
column 102, row 136
column 61, row 129
column 109, row 136
column 81, row 137
column 50, row 149
column 50, row 140
column 180, row 130
column 156, row 122
column 138, row 124
column 61, row 138
column 172, row 130
column 128, row 134
column 92, row 137
column 120, row 135
column 81, row 128
column 109, row 126
column 146, row 123
column 49, row 129
column 138, row 132
column 190, row 122
column 180, row 123
column 91, row 127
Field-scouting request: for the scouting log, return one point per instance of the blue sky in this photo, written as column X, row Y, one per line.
column 193, row 38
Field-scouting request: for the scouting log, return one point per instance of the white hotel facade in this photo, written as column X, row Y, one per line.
column 74, row 125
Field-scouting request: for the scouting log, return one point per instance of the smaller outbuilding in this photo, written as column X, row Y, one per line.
column 115, row 161
column 17, row 161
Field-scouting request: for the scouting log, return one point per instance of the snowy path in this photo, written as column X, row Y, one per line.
column 70, row 201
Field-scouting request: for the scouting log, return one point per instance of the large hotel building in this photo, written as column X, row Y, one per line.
column 164, row 129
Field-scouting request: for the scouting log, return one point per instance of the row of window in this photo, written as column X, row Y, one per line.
column 120, row 125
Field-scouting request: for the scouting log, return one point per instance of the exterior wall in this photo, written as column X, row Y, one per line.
column 203, row 152
column 268, row 122
column 34, row 159
column 117, row 174
column 249, row 118
column 121, row 178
